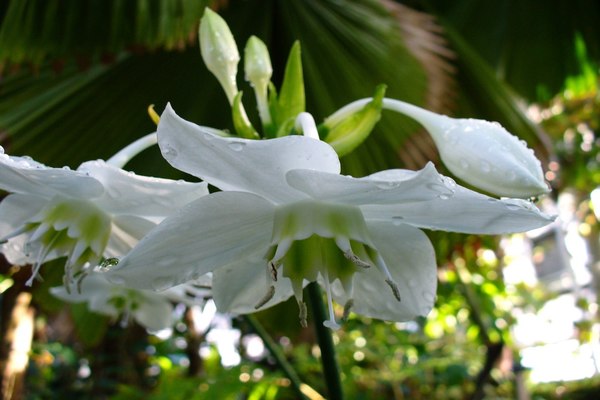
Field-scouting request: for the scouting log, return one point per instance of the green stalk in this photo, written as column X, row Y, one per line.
column 331, row 370
column 276, row 352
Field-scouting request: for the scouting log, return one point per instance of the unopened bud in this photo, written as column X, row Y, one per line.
column 219, row 51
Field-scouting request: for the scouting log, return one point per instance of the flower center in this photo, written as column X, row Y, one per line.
column 315, row 240
column 73, row 227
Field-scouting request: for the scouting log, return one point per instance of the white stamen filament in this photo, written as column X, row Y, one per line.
column 306, row 123
column 43, row 253
column 330, row 323
column 125, row 155
column 389, row 280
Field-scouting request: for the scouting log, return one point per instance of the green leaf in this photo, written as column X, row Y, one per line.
column 291, row 101
column 90, row 327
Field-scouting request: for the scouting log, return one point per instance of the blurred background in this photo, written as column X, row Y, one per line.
column 516, row 317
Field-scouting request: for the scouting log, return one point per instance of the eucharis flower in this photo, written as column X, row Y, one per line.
column 286, row 217
column 96, row 211
column 150, row 309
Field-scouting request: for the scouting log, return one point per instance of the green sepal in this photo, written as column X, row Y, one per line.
column 291, row 99
column 349, row 133
column 241, row 123
column 287, row 128
column 271, row 130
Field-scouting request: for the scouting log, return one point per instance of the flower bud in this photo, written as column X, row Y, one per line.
column 258, row 70
column 219, row 51
column 257, row 63
column 487, row 156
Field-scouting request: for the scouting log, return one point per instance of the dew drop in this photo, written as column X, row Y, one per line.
column 449, row 182
column 511, row 176
column 169, row 152
column 236, row 146
column 163, row 283
column 166, row 262
column 412, row 282
column 427, row 296
column 386, row 185
column 117, row 280
column 464, row 164
column 398, row 220
column 444, row 196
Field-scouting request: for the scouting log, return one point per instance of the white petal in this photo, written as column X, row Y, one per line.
column 95, row 290
column 126, row 232
column 22, row 175
column 386, row 187
column 465, row 211
column 255, row 166
column 15, row 211
column 211, row 232
column 410, row 259
column 128, row 193
column 238, row 288
column 155, row 312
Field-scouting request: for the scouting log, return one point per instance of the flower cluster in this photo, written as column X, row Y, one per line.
column 284, row 216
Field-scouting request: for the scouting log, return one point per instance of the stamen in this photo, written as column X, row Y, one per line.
column 356, row 260
column 330, row 323
column 153, row 115
column 272, row 266
column 44, row 251
column 344, row 245
column 347, row 307
column 306, row 123
column 303, row 314
column 389, row 280
column 394, row 288
column 266, row 298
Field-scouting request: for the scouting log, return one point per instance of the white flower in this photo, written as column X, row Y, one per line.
column 96, row 211
column 286, row 216
column 150, row 309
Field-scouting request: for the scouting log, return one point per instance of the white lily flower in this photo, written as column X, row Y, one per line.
column 150, row 309
column 286, row 217
column 96, row 211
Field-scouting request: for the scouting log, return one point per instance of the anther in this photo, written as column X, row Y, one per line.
column 266, row 298
column 303, row 314
column 347, row 308
column 273, row 269
column 153, row 115
column 394, row 288
column 356, row 260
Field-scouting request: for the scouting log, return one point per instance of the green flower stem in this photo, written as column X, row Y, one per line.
column 331, row 370
column 276, row 352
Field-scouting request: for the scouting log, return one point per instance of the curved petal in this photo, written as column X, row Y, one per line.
column 465, row 211
column 154, row 312
column 95, row 290
column 255, row 166
column 128, row 193
column 211, row 232
column 410, row 258
column 15, row 211
column 386, row 187
column 239, row 287
column 126, row 232
column 23, row 175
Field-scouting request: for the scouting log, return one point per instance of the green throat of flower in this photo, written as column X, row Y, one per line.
column 313, row 239
column 73, row 227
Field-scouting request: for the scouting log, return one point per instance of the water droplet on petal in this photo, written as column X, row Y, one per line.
column 464, row 164
column 116, row 279
column 163, row 283
column 168, row 151
column 236, row 146
column 428, row 296
column 398, row 220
